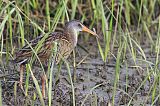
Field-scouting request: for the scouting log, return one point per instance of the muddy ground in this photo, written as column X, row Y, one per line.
column 91, row 72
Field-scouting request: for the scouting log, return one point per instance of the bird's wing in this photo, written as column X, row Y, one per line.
column 26, row 52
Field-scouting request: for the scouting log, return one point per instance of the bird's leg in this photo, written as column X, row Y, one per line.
column 43, row 79
column 21, row 76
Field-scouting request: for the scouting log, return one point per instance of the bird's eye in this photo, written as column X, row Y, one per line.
column 79, row 25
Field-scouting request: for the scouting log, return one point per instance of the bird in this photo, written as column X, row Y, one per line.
column 66, row 41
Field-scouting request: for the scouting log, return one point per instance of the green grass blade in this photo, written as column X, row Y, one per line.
column 37, row 86
column 70, row 78
column 74, row 5
column 51, row 74
column 127, row 11
column 48, row 14
column 100, row 50
column 117, row 74
column 92, row 89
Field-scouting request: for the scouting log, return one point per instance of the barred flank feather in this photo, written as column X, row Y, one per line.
column 24, row 55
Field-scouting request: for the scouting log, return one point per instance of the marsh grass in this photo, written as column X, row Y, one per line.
column 128, row 25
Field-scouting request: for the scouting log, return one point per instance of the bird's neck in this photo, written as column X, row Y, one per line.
column 72, row 36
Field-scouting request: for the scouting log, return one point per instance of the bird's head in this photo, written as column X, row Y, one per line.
column 77, row 26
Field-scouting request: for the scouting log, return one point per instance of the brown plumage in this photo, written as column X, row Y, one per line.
column 66, row 42
column 44, row 52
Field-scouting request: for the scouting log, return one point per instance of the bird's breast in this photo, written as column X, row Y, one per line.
column 65, row 48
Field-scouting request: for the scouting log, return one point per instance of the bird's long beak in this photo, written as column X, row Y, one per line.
column 85, row 29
